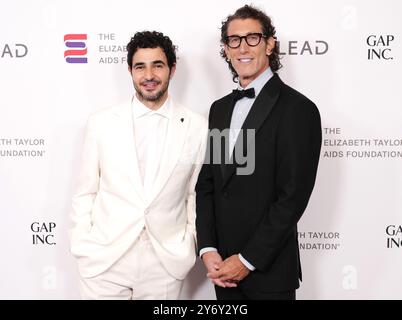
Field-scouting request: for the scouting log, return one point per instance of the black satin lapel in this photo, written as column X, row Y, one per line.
column 259, row 111
column 263, row 104
column 224, row 130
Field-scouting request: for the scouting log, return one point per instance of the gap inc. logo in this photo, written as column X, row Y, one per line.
column 77, row 48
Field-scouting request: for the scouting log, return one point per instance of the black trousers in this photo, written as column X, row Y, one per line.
column 240, row 294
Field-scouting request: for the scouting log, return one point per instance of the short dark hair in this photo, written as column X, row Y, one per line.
column 251, row 12
column 151, row 39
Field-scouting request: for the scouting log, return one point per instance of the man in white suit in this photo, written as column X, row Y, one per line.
column 133, row 210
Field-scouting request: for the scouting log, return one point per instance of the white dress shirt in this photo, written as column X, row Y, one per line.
column 240, row 112
column 150, row 129
column 243, row 106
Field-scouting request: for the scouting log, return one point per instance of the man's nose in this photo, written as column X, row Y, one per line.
column 243, row 46
column 149, row 73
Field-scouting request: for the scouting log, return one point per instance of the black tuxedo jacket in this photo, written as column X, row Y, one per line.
column 257, row 214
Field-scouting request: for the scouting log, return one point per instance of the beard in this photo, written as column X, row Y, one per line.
column 152, row 97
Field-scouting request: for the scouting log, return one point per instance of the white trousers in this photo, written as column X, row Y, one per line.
column 138, row 275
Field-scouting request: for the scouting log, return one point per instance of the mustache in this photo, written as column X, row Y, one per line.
column 151, row 81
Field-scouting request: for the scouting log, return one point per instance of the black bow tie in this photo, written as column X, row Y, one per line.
column 239, row 94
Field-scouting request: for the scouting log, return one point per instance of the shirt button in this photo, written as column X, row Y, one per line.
column 146, row 211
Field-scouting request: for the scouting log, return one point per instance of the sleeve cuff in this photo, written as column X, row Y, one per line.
column 207, row 249
column 246, row 263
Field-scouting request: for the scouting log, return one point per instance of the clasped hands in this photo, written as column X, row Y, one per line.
column 225, row 273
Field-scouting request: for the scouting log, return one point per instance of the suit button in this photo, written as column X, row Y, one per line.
column 225, row 194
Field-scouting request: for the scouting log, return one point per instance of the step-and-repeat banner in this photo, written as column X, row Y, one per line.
column 345, row 55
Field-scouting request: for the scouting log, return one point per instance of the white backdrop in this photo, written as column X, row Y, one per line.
column 343, row 55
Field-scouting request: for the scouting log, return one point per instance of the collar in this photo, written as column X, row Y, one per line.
column 140, row 110
column 259, row 82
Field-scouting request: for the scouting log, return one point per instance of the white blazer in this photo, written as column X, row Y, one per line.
column 109, row 206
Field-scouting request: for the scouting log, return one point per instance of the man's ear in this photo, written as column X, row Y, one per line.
column 172, row 71
column 270, row 45
column 129, row 69
column 226, row 48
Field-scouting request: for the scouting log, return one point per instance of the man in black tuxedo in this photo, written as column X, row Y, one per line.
column 247, row 220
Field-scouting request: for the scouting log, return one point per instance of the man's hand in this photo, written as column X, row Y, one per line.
column 230, row 270
column 212, row 260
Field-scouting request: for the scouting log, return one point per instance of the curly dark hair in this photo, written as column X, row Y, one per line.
column 251, row 12
column 151, row 39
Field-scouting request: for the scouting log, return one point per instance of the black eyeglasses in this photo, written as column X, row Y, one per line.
column 252, row 39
